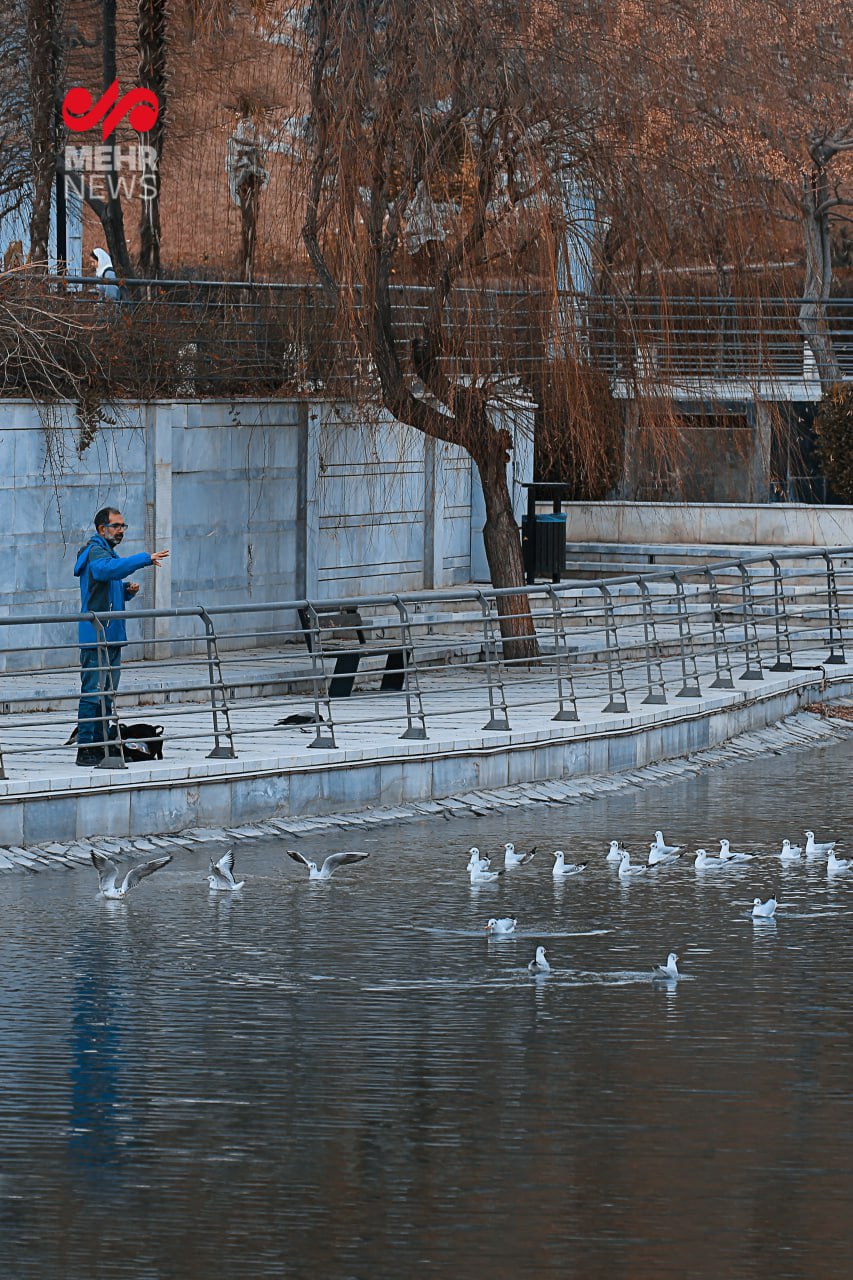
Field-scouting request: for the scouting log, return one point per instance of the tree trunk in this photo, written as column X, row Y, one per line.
column 818, row 278
column 43, row 34
column 503, row 546
column 152, row 34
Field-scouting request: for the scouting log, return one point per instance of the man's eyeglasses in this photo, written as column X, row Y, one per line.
column 116, row 524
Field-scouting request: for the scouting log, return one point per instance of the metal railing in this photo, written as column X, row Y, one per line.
column 202, row 338
column 434, row 665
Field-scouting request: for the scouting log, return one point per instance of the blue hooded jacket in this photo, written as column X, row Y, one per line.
column 100, row 570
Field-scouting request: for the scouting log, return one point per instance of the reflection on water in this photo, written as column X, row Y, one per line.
column 353, row 1080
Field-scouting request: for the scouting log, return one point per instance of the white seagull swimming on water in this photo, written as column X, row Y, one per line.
column 482, row 875
column 668, row 970
column 790, row 852
column 731, row 855
column 658, row 856
column 626, row 869
column 503, row 926
column 475, row 862
column 563, row 868
column 539, row 964
column 661, row 845
column 764, row 910
column 512, row 858
column 614, row 853
column 108, row 874
column 814, row 850
column 221, row 874
column 834, row 863
column 330, row 864
column 705, row 860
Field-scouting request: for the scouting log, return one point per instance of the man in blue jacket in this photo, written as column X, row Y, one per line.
column 103, row 590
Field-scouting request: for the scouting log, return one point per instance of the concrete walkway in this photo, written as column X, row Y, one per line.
column 277, row 773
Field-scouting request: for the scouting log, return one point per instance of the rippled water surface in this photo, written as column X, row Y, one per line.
column 351, row 1080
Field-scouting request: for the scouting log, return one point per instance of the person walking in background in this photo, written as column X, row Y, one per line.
column 109, row 290
column 102, row 571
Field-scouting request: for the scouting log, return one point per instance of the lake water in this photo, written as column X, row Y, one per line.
column 349, row 1080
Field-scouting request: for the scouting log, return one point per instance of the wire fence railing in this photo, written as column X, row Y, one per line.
column 361, row 671
column 206, row 338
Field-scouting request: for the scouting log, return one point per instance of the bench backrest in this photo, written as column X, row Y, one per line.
column 335, row 624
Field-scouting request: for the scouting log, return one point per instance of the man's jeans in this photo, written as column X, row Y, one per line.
column 92, row 729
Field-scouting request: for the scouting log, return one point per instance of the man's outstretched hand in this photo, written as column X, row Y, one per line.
column 157, row 557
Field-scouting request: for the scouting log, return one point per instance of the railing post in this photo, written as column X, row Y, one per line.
column 561, row 653
column 780, row 622
column 650, row 640
column 687, row 651
column 498, row 713
column 723, row 678
column 318, row 675
column 833, row 615
column 749, row 644
column 113, row 748
column 410, row 666
column 216, row 686
column 615, row 676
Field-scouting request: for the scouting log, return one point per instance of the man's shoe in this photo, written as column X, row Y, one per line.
column 88, row 757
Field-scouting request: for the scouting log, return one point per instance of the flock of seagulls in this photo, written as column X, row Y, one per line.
column 221, row 876
column 661, row 855
column 480, row 872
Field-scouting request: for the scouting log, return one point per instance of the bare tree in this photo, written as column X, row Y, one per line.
column 447, row 115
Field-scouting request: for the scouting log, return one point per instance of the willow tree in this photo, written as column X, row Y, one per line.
column 435, row 125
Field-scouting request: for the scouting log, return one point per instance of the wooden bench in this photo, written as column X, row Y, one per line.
column 344, row 630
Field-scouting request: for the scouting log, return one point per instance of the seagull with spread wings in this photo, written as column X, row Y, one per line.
column 108, row 874
column 221, row 874
column 330, row 865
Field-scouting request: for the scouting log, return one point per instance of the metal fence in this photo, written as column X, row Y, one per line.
column 211, row 338
column 434, row 665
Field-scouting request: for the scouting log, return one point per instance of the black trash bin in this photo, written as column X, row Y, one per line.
column 545, row 552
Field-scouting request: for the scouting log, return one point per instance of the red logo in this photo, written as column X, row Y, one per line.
column 140, row 106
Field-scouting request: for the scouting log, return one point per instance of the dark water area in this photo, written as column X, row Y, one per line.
column 351, row 1080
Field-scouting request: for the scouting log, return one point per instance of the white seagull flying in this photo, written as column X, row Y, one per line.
column 330, row 864
column 108, row 874
column 221, row 874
